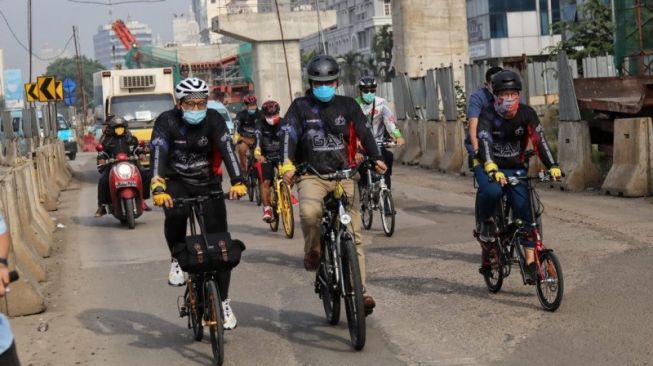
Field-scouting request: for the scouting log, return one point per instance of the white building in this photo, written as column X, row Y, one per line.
column 2, row 73
column 357, row 23
column 185, row 30
column 109, row 51
column 206, row 10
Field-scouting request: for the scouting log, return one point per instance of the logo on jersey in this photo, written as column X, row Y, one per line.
column 203, row 141
column 340, row 121
column 519, row 131
column 328, row 142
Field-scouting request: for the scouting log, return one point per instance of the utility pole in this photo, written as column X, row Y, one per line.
column 29, row 36
column 80, row 73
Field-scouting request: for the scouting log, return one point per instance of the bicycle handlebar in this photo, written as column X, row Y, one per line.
column 197, row 199
column 337, row 175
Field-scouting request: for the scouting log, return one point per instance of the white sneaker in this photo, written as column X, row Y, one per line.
column 229, row 317
column 176, row 276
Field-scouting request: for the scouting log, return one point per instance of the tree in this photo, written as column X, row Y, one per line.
column 351, row 64
column 306, row 57
column 66, row 68
column 382, row 49
column 589, row 37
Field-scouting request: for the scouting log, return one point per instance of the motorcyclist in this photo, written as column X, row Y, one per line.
column 268, row 151
column 183, row 144
column 117, row 139
column 504, row 130
column 246, row 121
column 322, row 129
column 382, row 121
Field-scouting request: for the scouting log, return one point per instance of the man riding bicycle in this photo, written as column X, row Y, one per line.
column 504, row 130
column 382, row 121
column 322, row 129
column 268, row 151
column 246, row 131
column 183, row 143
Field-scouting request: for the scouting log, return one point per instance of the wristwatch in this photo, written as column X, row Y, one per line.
column 4, row 262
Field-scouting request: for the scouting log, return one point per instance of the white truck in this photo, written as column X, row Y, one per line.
column 137, row 95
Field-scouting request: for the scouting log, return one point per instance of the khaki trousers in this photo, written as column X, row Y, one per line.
column 312, row 191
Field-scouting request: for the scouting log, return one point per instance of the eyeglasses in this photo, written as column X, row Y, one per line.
column 194, row 105
column 512, row 94
column 368, row 90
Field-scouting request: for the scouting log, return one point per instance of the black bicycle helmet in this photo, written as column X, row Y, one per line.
column 367, row 82
column 323, row 68
column 117, row 121
column 506, row 80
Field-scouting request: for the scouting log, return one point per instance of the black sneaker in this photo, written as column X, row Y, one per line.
column 530, row 274
column 487, row 231
column 101, row 211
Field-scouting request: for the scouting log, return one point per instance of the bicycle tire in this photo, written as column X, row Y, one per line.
column 287, row 213
column 214, row 317
column 367, row 213
column 274, row 224
column 257, row 192
column 494, row 279
column 195, row 316
column 387, row 209
column 250, row 187
column 353, row 295
column 329, row 293
column 553, row 281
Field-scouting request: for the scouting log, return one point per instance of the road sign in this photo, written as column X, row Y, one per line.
column 58, row 88
column 46, row 86
column 69, row 85
column 31, row 92
column 70, row 99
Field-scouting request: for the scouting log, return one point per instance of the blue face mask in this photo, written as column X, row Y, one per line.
column 251, row 111
column 194, row 117
column 368, row 97
column 324, row 93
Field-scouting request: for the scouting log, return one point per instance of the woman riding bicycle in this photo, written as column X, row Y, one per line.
column 504, row 130
column 183, row 140
column 268, row 151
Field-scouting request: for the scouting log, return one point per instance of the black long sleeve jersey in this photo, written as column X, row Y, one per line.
column 324, row 135
column 186, row 152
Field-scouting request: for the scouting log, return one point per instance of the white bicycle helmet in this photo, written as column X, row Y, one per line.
column 193, row 88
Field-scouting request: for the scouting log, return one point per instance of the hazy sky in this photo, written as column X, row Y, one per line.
column 53, row 21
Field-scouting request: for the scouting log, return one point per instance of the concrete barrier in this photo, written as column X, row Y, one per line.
column 47, row 191
column 399, row 151
column 433, row 144
column 631, row 168
column 575, row 156
column 35, row 231
column 25, row 297
column 454, row 150
column 413, row 150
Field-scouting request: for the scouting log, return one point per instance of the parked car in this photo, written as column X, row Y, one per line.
column 66, row 134
column 213, row 104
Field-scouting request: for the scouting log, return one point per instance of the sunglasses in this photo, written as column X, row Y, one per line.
column 194, row 105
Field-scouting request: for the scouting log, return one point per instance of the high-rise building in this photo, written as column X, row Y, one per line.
column 108, row 49
column 185, row 30
column 206, row 10
column 2, row 73
column 357, row 23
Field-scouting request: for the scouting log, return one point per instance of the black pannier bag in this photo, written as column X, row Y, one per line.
column 217, row 252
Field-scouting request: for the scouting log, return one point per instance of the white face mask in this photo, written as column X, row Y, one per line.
column 271, row 120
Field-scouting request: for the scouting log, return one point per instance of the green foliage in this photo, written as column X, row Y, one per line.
column 351, row 66
column 306, row 57
column 382, row 49
column 461, row 101
column 66, row 68
column 592, row 36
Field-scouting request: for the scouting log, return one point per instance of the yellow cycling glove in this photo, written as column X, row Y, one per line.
column 161, row 198
column 286, row 167
column 239, row 188
column 236, row 137
column 158, row 185
column 257, row 152
column 492, row 169
column 555, row 172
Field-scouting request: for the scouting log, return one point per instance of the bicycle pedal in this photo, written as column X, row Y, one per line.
column 183, row 312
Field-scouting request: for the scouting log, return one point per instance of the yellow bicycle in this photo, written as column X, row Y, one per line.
column 281, row 202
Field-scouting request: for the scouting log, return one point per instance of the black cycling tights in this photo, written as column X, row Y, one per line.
column 215, row 221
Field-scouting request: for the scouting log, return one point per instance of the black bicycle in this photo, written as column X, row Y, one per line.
column 338, row 274
column 375, row 195
column 253, row 169
column 508, row 250
column 201, row 302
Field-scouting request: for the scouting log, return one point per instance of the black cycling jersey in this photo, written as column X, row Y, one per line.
column 269, row 140
column 112, row 145
column 246, row 123
column 183, row 151
column 504, row 141
column 325, row 134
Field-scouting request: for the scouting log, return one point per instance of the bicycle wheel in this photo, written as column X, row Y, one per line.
column 353, row 295
column 551, row 287
column 257, row 192
column 387, row 210
column 494, row 277
column 213, row 318
column 287, row 213
column 329, row 292
column 250, row 186
column 274, row 224
column 195, row 314
column 367, row 212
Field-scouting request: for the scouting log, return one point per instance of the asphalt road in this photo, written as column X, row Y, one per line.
column 109, row 304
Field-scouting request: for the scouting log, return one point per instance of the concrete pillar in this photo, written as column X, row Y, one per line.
column 428, row 34
column 263, row 32
column 575, row 156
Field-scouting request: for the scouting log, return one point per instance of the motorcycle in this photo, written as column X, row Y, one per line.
column 125, row 185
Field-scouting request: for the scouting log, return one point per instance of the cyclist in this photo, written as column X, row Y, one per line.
column 117, row 139
column 268, row 151
column 183, row 140
column 478, row 101
column 382, row 121
column 246, row 129
column 322, row 129
column 504, row 130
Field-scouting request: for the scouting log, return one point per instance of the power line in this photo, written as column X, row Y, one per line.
column 111, row 3
column 2, row 14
